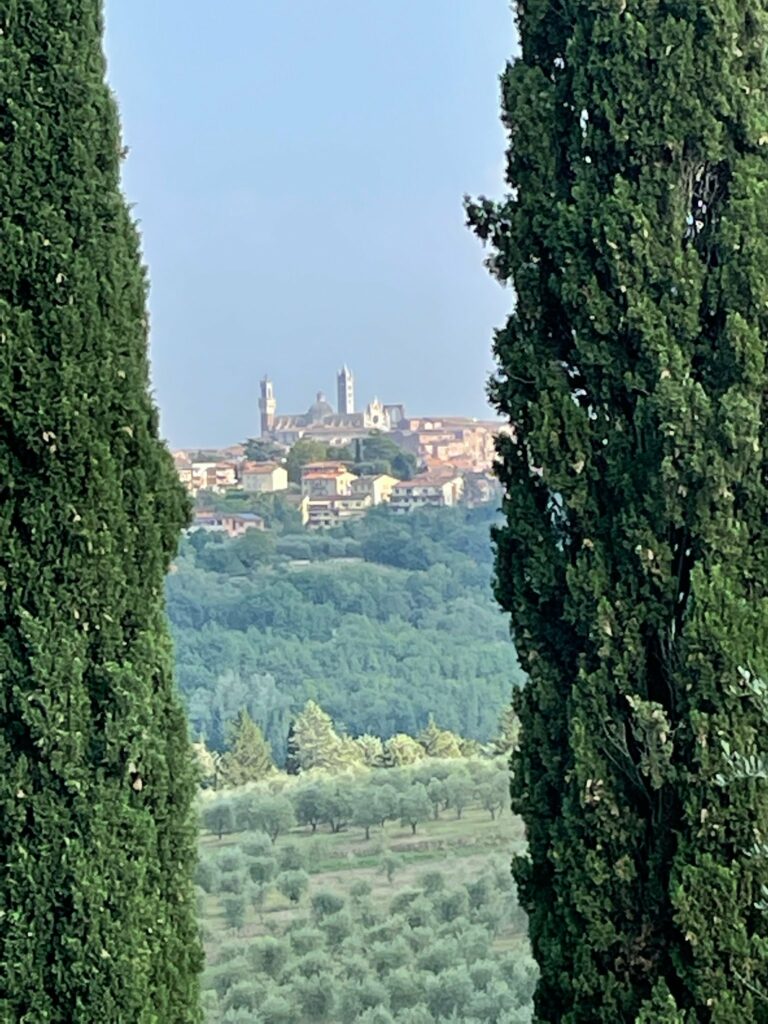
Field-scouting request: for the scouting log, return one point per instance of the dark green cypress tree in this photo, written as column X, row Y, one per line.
column 96, row 780
column 634, row 559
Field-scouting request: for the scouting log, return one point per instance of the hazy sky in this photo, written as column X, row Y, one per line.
column 298, row 170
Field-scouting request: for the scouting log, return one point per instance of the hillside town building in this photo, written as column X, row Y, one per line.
column 205, row 476
column 326, row 480
column 232, row 525
column 436, row 490
column 263, row 477
column 455, row 456
column 321, row 421
column 332, row 494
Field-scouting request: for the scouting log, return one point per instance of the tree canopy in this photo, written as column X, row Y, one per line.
column 248, row 758
column 96, row 839
column 634, row 557
column 392, row 620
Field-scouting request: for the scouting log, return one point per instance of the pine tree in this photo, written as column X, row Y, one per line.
column 249, row 758
column 401, row 749
column 634, row 559
column 292, row 766
column 439, row 742
column 96, row 839
column 371, row 749
column 316, row 741
column 509, row 733
column 207, row 763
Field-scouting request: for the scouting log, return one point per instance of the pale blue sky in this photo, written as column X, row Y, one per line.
column 298, row 168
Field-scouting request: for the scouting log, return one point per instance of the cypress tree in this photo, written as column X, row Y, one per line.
column 634, row 555
column 96, row 839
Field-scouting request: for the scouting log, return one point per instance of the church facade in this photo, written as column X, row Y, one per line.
column 321, row 421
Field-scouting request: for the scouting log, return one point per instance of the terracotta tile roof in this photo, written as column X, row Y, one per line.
column 261, row 467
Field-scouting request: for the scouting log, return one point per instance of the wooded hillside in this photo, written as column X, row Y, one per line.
column 382, row 623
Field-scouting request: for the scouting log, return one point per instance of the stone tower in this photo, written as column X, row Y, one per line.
column 268, row 405
column 346, row 391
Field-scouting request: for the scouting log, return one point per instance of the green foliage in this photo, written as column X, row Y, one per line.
column 279, row 511
column 259, row 449
column 207, row 764
column 258, row 844
column 234, row 905
column 262, row 869
column 507, row 740
column 316, row 742
column 207, row 874
column 231, row 882
column 439, row 742
column 230, row 859
column 325, row 902
column 378, row 453
column 268, row 955
column 415, row 806
column 293, row 884
column 270, row 813
column 494, row 796
column 432, row 882
column 634, row 557
column 248, row 758
column 219, row 817
column 292, row 856
column 371, row 750
column 377, row 647
column 423, row 954
column 386, row 803
column 364, row 799
column 390, row 865
column 304, row 450
column 459, row 791
column 400, row 750
column 308, row 800
column 276, row 1009
column 438, row 796
column 336, row 805
column 367, row 808
column 96, row 836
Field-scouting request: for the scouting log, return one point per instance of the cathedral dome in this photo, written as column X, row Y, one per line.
column 319, row 409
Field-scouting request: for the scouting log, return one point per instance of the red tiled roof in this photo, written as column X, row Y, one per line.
column 260, row 467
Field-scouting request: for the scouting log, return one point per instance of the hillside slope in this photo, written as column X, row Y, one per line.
column 385, row 622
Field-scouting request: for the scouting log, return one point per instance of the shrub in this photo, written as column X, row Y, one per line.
column 234, row 910
column 325, row 902
column 231, row 882
column 292, row 884
column 207, row 874
column 258, row 844
column 292, row 857
column 262, row 869
column 268, row 955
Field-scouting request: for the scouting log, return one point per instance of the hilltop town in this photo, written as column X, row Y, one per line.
column 333, row 465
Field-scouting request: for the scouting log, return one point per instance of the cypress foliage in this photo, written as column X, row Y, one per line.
column 634, row 559
column 96, row 839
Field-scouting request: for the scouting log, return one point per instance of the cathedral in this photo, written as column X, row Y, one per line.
column 321, row 421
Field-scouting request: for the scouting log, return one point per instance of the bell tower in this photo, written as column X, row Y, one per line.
column 268, row 405
column 346, row 391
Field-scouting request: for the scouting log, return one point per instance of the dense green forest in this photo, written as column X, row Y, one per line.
column 384, row 622
column 372, row 897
